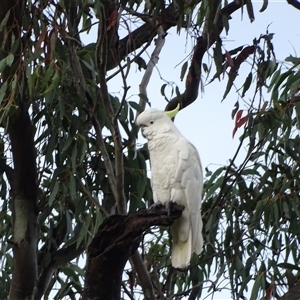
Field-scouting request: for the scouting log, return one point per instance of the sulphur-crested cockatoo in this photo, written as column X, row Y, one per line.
column 176, row 175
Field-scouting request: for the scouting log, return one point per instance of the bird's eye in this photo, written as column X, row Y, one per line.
column 151, row 122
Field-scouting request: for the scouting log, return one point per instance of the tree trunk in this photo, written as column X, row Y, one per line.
column 20, row 130
column 24, row 207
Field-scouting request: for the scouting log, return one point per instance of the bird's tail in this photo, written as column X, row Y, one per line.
column 181, row 250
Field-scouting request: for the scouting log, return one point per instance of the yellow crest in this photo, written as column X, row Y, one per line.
column 172, row 113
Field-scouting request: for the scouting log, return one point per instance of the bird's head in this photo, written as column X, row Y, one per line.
column 154, row 122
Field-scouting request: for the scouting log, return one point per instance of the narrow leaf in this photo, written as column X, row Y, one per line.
column 247, row 84
column 183, row 70
column 264, row 6
column 53, row 193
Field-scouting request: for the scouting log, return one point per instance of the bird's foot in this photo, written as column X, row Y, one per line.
column 156, row 205
column 169, row 208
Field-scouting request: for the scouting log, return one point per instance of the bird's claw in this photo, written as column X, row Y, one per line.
column 155, row 205
column 169, row 208
column 158, row 204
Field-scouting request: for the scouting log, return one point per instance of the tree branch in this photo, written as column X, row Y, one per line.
column 117, row 238
column 144, row 34
column 143, row 276
column 203, row 44
column 151, row 64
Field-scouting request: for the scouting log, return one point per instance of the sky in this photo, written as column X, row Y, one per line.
column 207, row 122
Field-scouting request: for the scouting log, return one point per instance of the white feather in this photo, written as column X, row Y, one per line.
column 176, row 175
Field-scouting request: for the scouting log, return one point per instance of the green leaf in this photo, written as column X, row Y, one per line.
column 247, row 84
column 135, row 106
column 250, row 10
column 54, row 83
column 236, row 108
column 183, row 70
column 297, row 109
column 72, row 186
column 264, row 6
column 289, row 266
column 9, row 59
column 53, row 193
column 3, row 64
column 3, row 89
column 4, row 20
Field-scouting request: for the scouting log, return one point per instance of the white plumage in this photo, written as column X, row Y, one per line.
column 176, row 175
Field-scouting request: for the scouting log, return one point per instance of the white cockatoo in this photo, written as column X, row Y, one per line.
column 176, row 175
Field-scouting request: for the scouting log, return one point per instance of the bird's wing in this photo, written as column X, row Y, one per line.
column 189, row 177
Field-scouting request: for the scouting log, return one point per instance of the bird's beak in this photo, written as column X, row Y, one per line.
column 172, row 113
column 142, row 130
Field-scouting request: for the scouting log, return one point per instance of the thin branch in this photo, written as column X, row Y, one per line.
column 125, row 87
column 101, row 59
column 195, row 291
column 151, row 64
column 194, row 288
column 143, row 276
column 168, row 284
column 157, row 283
column 127, row 292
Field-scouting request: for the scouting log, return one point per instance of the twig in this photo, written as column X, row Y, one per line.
column 126, row 88
column 143, row 275
column 197, row 286
column 158, row 286
column 126, row 291
column 168, row 284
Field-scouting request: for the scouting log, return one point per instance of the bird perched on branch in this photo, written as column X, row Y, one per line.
column 176, row 175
